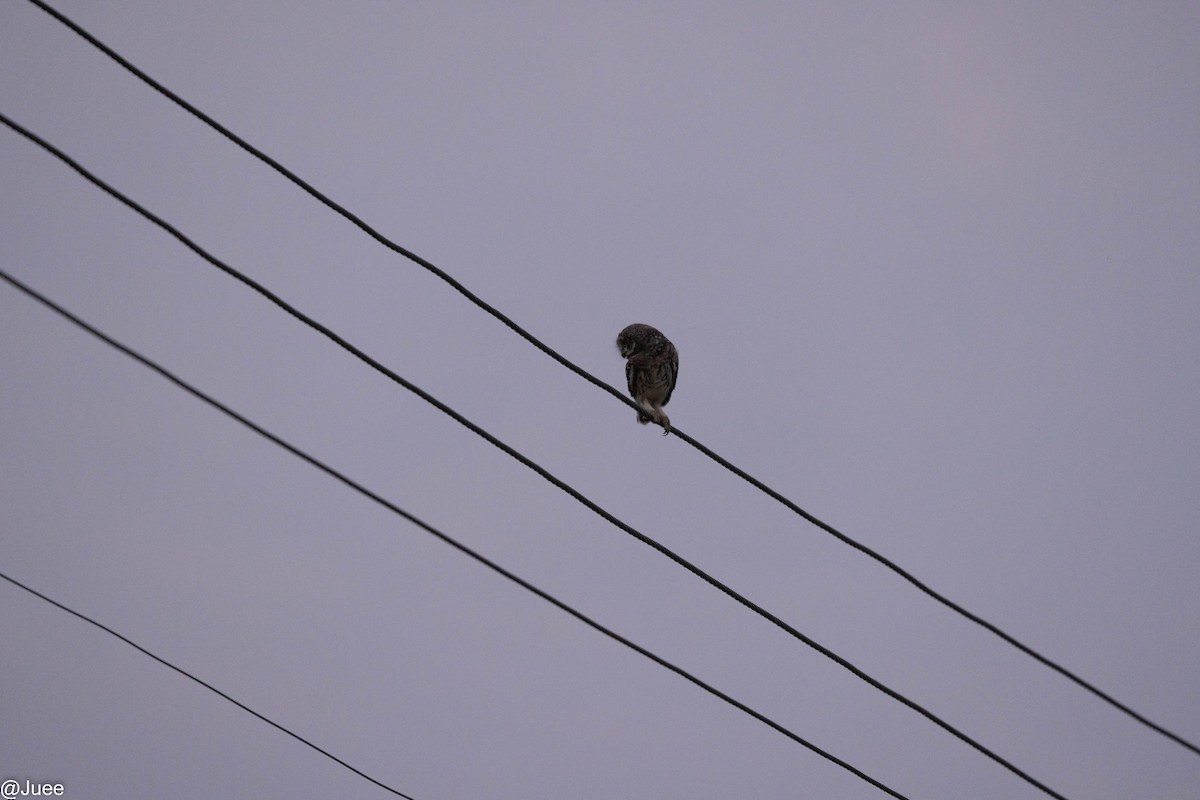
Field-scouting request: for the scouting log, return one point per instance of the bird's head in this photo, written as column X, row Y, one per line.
column 630, row 340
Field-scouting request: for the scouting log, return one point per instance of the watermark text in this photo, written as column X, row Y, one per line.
column 13, row 788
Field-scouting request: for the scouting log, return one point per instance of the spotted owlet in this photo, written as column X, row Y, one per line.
column 651, row 365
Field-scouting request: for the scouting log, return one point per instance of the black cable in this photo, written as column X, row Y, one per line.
column 379, row 367
column 462, row 548
column 388, row 243
column 166, row 663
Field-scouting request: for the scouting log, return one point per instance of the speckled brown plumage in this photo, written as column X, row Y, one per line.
column 651, row 366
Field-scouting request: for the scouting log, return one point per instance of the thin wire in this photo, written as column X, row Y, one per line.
column 389, row 244
column 462, row 548
column 379, row 367
column 183, row 671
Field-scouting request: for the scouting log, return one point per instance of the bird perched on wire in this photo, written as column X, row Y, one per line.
column 651, row 366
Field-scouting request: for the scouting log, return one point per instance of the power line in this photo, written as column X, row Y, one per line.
column 389, row 244
column 390, row 506
column 181, row 670
column 384, row 370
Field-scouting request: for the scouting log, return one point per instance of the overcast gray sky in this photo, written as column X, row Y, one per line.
column 933, row 270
